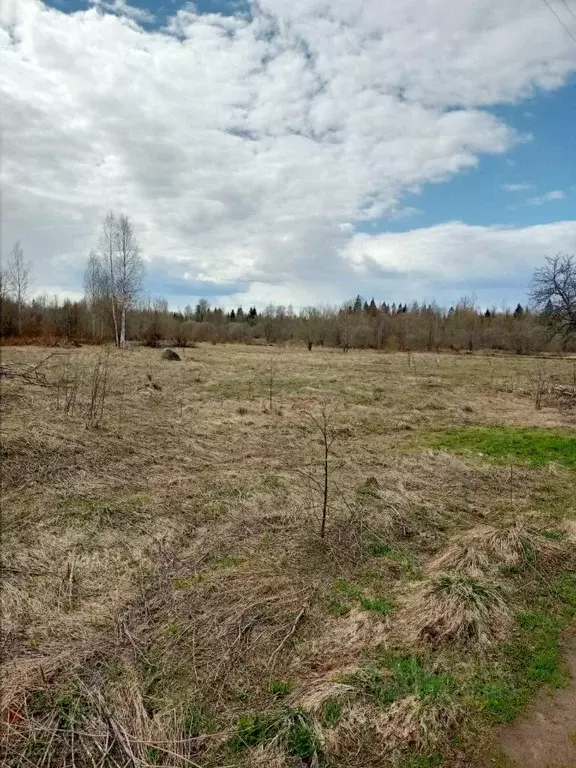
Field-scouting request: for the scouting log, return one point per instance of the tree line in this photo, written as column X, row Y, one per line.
column 114, row 309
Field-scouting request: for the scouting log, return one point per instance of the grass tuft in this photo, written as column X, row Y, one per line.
column 279, row 688
column 291, row 731
column 480, row 548
column 456, row 610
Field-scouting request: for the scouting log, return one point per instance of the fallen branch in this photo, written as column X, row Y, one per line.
column 286, row 638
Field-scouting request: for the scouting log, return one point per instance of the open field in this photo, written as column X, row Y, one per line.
column 168, row 599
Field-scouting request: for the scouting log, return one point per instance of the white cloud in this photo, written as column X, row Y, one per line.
column 246, row 148
column 454, row 257
column 554, row 194
column 123, row 8
column 516, row 187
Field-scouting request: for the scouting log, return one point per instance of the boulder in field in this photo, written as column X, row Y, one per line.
column 169, row 354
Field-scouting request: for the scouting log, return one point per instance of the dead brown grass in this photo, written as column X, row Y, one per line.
column 418, row 723
column 478, row 550
column 454, row 610
column 168, row 560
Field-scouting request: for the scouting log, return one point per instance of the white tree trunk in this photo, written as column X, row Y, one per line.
column 115, row 320
column 123, row 327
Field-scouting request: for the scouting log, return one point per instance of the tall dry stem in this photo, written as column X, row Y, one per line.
column 540, row 382
column 98, row 390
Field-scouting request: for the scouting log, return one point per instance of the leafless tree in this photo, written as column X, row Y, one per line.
column 93, row 288
column 310, row 326
column 129, row 270
column 117, row 270
column 107, row 271
column 18, row 279
column 324, row 421
column 553, row 291
column 3, row 284
column 540, row 380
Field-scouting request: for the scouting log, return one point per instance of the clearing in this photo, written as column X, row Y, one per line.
column 168, row 600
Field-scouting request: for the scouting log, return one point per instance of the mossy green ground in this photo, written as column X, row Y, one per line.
column 510, row 444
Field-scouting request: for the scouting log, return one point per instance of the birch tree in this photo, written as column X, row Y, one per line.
column 117, row 270
column 107, row 273
column 129, row 270
column 94, row 285
column 18, row 279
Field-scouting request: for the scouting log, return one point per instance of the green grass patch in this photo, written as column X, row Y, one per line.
column 186, row 582
column 553, row 535
column 376, row 546
column 531, row 658
column 344, row 587
column 337, row 608
column 421, row 761
column 290, row 728
column 348, row 594
column 69, row 707
column 397, row 676
column 375, row 604
column 279, row 688
column 272, row 481
column 331, row 713
column 395, row 559
column 536, row 447
column 197, row 721
column 99, row 512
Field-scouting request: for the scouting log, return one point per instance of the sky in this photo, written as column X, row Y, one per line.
column 292, row 151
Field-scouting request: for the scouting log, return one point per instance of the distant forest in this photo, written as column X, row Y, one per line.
column 358, row 324
column 113, row 310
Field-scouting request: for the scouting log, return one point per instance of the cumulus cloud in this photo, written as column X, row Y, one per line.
column 454, row 257
column 123, row 8
column 547, row 197
column 247, row 148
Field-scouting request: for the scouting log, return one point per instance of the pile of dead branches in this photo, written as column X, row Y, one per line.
column 28, row 374
column 563, row 395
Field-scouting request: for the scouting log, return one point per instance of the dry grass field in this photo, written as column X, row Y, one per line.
column 168, row 599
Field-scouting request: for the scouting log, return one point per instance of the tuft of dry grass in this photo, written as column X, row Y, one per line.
column 569, row 528
column 318, row 692
column 410, row 724
column 418, row 723
column 453, row 609
column 478, row 550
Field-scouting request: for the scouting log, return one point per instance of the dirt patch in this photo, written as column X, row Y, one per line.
column 546, row 736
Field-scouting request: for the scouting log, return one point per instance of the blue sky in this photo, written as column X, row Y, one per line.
column 503, row 189
column 293, row 151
